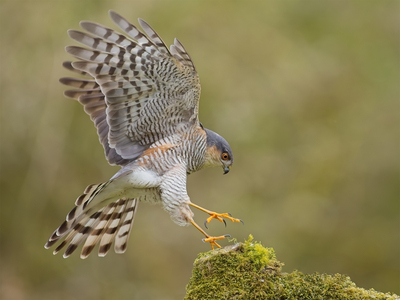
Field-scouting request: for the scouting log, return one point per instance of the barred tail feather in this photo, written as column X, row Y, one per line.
column 124, row 230
column 83, row 229
column 82, row 210
column 106, row 228
column 79, row 233
column 72, row 218
column 108, row 232
column 99, row 223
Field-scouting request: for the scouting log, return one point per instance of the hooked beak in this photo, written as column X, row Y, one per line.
column 226, row 170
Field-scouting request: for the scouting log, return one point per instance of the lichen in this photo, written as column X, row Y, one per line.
column 250, row 271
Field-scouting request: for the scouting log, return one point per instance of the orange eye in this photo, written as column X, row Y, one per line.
column 225, row 156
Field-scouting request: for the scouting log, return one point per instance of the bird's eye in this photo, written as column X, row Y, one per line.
column 225, row 156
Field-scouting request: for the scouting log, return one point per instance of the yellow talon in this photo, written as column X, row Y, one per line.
column 212, row 240
column 220, row 217
column 214, row 215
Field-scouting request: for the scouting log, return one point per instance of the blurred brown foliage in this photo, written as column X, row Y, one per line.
column 306, row 92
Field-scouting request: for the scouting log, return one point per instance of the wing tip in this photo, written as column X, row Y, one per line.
column 113, row 14
column 68, row 65
column 144, row 24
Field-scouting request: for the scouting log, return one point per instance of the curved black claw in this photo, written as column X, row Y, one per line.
column 205, row 224
column 227, row 235
column 230, row 214
column 241, row 221
column 224, row 222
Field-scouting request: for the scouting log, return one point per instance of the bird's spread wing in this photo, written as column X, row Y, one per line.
column 140, row 91
column 93, row 101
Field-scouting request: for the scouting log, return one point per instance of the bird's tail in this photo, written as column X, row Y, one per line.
column 101, row 221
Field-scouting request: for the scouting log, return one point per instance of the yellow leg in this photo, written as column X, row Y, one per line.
column 214, row 215
column 210, row 239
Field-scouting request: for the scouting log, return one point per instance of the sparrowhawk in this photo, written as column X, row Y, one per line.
column 143, row 99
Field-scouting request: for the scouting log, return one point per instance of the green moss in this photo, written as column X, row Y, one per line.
column 250, row 271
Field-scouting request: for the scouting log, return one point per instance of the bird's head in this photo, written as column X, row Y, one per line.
column 218, row 153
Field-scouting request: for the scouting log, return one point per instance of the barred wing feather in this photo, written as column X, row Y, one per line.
column 93, row 101
column 140, row 91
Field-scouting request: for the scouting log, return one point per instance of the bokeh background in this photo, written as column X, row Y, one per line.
column 307, row 94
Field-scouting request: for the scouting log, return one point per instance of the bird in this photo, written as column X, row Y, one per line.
column 143, row 98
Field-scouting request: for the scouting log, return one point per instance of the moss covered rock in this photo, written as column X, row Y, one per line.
column 250, row 271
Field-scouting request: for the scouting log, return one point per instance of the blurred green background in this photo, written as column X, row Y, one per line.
column 307, row 94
